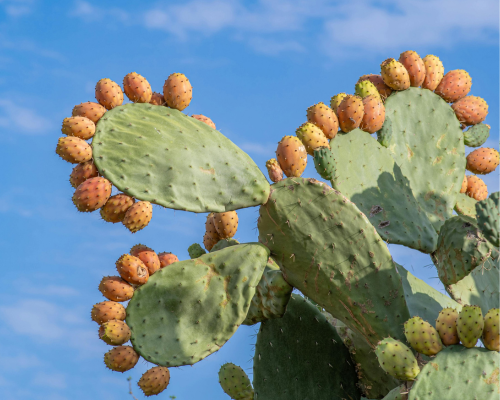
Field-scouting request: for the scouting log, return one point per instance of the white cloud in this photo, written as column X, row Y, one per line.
column 22, row 119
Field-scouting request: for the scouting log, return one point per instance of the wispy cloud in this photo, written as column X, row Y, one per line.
column 22, row 119
column 17, row 8
column 89, row 12
column 258, row 148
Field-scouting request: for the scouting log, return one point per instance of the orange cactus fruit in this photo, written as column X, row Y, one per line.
column 482, row 161
column 147, row 256
column 82, row 172
column 292, row 156
column 114, row 333
column 470, row 110
column 166, row 259
column 157, row 99
column 274, row 170
column 138, row 216
column 434, row 72
column 116, row 207
column 374, row 114
column 106, row 311
column 92, row 194
column 132, row 269
column 324, row 118
column 80, row 127
column 204, row 119
column 395, row 74
column 415, row 67
column 90, row 110
column 312, row 137
column 154, row 381
column 350, row 113
column 226, row 224
column 115, row 288
column 455, row 85
column 108, row 93
column 73, row 150
column 177, row 91
column 137, row 88
column 377, row 80
column 476, row 188
column 463, row 189
column 121, row 358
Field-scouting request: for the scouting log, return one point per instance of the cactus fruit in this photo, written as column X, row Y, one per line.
column 324, row 162
column 366, row 88
column 154, row 381
column 106, row 311
column 167, row 258
column 470, row 324
column 82, row 172
column 157, row 99
column 92, row 194
column 463, row 189
column 476, row 135
column 446, row 325
column 434, row 72
column 80, row 127
column 114, row 332
column 470, row 110
column 350, row 113
column 132, row 269
column 488, row 218
column 374, row 114
column 483, row 160
column 395, row 74
column 491, row 334
column 73, row 150
column 274, row 170
column 90, row 110
column 397, row 360
column 137, row 88
column 115, row 288
column 455, row 85
column 177, row 91
column 312, row 137
column 211, row 236
column 138, row 216
column 108, row 93
column 422, row 336
column 148, row 257
column 195, row 251
column 204, row 119
column 292, row 156
column 121, row 358
column 384, row 90
column 415, row 67
column 235, row 383
column 116, row 207
column 226, row 224
column 476, row 188
column 324, row 118
column 336, row 100
column 138, row 248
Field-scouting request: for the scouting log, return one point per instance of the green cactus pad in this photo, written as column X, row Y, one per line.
column 476, row 135
column 189, row 310
column 324, row 162
column 384, row 135
column 223, row 243
column 465, row 205
column 195, row 250
column 428, row 144
column 163, row 156
column 300, row 356
column 399, row 393
column 369, row 177
column 488, row 218
column 328, row 249
column 271, row 296
column 396, row 359
column 235, row 383
column 458, row 373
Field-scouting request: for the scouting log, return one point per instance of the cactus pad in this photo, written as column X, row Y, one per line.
column 488, row 218
column 476, row 135
column 465, row 205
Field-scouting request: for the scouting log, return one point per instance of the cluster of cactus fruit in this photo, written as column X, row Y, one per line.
column 345, row 336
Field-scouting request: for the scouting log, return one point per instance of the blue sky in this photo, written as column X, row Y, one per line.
column 255, row 67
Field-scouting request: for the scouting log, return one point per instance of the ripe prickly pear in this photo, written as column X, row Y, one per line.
column 415, row 67
column 395, row 74
column 470, row 110
column 274, row 170
column 204, row 119
column 446, row 325
column 235, row 383
column 422, row 336
column 483, row 160
column 106, row 311
column 292, row 156
column 121, row 358
column 374, row 114
column 115, row 288
column 396, row 359
column 476, row 135
column 226, row 224
column 463, row 189
column 166, row 259
column 312, row 137
column 476, row 188
column 491, row 334
column 157, row 99
column 114, row 333
column 154, row 381
column 116, row 207
column 324, row 163
column 73, row 150
column 138, row 216
column 324, row 118
column 177, row 91
column 434, row 72
column 90, row 110
column 195, row 251
column 132, row 269
column 336, row 100
column 82, row 172
column 137, row 248
column 80, row 127
column 137, row 88
column 455, row 85
column 92, row 194
column 470, row 325
column 211, row 236
column 366, row 88
column 108, row 93
column 148, row 257
column 384, row 90
column 350, row 113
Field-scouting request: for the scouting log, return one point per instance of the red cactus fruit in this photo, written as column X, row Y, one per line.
column 154, row 381
column 292, row 156
column 90, row 110
column 476, row 188
column 116, row 207
column 463, row 189
column 73, row 149
column 92, row 194
column 204, row 119
column 137, row 88
column 434, row 72
column 106, row 311
column 114, row 332
column 108, row 93
column 482, row 161
column 132, row 269
column 395, row 74
column 138, row 216
column 147, row 256
column 115, row 288
column 350, row 113
column 324, row 118
column 177, row 91
column 377, row 80
column 80, row 127
column 157, row 99
column 167, row 259
column 415, row 67
column 470, row 110
column 121, row 358
column 82, row 172
column 226, row 224
column 374, row 114
column 455, row 85
column 274, row 170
